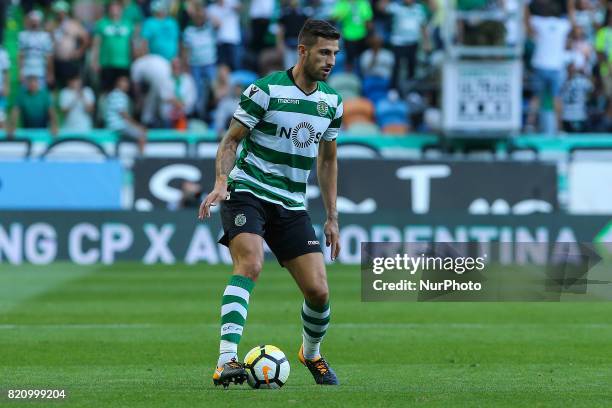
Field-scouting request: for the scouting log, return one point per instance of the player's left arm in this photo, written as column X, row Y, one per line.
column 327, row 174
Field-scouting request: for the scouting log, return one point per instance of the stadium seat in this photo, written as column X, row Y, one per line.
column 243, row 77
column 74, row 149
column 432, row 152
column 15, row 149
column 396, row 129
column 103, row 137
column 479, row 153
column 127, row 149
column 355, row 150
column 197, row 126
column 357, row 110
column 166, row 148
column 207, row 149
column 391, row 112
column 554, row 156
column 347, row 84
column 375, row 88
column 591, row 153
column 523, row 154
column 362, row 129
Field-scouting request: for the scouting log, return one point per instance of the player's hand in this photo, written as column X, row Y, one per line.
column 219, row 193
column 332, row 237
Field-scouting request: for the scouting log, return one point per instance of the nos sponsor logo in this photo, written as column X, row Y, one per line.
column 302, row 136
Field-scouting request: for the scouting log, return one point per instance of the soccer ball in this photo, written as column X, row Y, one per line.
column 267, row 367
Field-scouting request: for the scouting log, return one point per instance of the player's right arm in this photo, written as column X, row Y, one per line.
column 226, row 156
column 251, row 109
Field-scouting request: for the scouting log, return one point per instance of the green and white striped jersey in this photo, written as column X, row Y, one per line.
column 273, row 162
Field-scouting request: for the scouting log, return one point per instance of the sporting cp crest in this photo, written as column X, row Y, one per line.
column 322, row 108
column 240, row 220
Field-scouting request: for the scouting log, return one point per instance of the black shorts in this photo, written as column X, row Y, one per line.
column 65, row 71
column 288, row 233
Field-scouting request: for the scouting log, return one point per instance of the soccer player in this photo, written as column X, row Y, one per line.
column 284, row 123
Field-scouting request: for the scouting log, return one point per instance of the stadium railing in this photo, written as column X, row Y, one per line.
column 34, row 143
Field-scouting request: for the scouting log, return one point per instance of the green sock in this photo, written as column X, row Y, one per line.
column 234, row 307
column 315, row 321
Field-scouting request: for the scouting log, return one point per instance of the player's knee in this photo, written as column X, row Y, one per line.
column 250, row 267
column 318, row 296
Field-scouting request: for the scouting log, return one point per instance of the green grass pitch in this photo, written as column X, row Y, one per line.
column 147, row 336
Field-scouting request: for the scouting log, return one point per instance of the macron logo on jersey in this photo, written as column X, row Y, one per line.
column 290, row 101
column 253, row 91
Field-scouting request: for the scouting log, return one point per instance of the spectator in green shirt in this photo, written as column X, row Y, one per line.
column 603, row 46
column 112, row 46
column 33, row 108
column 354, row 17
column 408, row 33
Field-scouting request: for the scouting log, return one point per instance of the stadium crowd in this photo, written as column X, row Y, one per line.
column 136, row 64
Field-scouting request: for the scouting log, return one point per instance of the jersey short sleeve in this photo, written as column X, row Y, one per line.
column 334, row 127
column 253, row 105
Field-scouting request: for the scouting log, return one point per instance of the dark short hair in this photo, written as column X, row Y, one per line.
column 553, row 9
column 546, row 8
column 314, row 29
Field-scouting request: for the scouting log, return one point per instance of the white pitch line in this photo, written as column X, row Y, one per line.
column 464, row 325
column 78, row 326
column 349, row 326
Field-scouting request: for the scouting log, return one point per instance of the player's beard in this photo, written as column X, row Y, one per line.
column 312, row 73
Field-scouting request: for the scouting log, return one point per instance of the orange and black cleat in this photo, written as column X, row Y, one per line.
column 320, row 369
column 230, row 372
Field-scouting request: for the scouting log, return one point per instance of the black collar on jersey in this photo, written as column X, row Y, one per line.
column 290, row 74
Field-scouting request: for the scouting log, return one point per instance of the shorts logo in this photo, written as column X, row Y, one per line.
column 322, row 108
column 240, row 220
column 303, row 135
column 313, row 242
